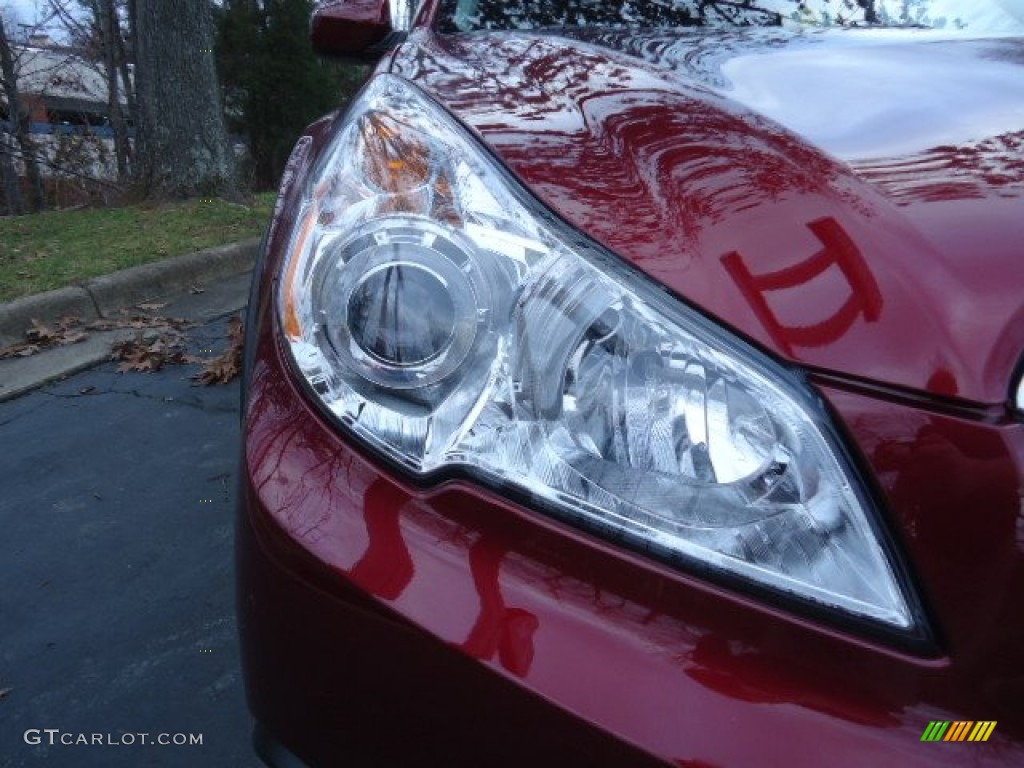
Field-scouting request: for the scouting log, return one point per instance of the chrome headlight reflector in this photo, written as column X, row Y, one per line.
column 444, row 317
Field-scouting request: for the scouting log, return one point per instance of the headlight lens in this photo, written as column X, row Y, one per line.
column 447, row 319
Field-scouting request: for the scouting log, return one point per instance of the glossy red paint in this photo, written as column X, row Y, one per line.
column 699, row 191
column 955, row 485
column 380, row 590
column 447, row 625
column 349, row 27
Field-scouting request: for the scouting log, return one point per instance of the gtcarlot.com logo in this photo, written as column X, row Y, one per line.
column 56, row 737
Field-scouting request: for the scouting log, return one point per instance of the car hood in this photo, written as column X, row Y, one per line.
column 852, row 200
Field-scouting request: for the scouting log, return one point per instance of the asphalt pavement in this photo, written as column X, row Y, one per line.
column 116, row 573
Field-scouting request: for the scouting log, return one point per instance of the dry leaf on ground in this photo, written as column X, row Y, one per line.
column 65, row 331
column 40, row 334
column 226, row 366
column 71, row 330
column 129, row 319
column 147, row 355
column 72, row 337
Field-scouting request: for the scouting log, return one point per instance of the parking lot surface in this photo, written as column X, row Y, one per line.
column 117, row 599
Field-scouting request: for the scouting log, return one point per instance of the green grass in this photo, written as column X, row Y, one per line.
column 53, row 250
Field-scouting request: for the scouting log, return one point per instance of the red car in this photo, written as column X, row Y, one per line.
column 639, row 383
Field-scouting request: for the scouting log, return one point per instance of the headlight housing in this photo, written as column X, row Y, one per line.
column 444, row 317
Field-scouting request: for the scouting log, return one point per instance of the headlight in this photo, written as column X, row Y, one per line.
column 444, row 317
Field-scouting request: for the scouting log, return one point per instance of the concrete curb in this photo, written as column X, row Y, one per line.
column 105, row 296
column 16, row 316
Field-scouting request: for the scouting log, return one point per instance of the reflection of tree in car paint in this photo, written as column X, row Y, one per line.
column 972, row 170
column 531, row 14
column 386, row 567
column 864, row 300
column 690, row 52
column 556, row 110
column 460, row 15
column 507, row 632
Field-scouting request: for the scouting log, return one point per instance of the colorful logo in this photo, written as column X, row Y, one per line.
column 958, row 730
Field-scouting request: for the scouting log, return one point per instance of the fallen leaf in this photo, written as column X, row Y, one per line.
column 5, row 692
column 24, row 349
column 72, row 337
column 40, row 333
column 221, row 369
column 236, row 331
column 39, row 336
column 136, row 322
column 142, row 355
column 195, row 290
column 226, row 366
column 152, row 306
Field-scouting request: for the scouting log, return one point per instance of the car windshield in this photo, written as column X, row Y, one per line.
column 975, row 16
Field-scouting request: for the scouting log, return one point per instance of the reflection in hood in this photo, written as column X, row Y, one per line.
column 974, row 16
column 851, row 199
column 854, row 93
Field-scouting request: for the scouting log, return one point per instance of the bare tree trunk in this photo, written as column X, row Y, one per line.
column 126, row 56
column 182, row 146
column 110, row 35
column 20, row 119
column 12, row 189
column 127, row 85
